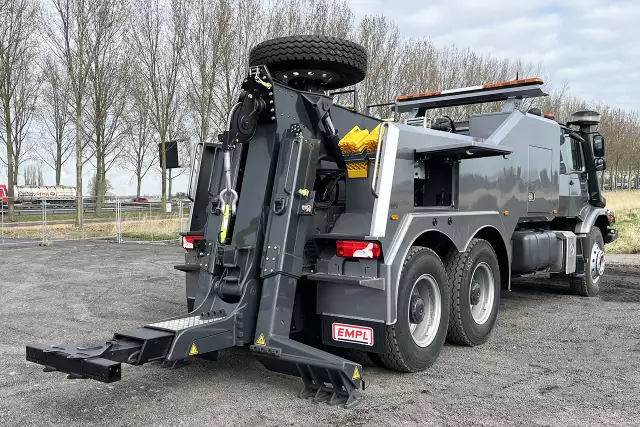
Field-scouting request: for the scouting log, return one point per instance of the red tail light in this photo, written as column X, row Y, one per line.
column 356, row 249
column 189, row 241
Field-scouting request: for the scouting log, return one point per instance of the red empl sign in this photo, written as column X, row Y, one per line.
column 351, row 333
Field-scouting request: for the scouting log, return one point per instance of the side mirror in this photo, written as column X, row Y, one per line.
column 173, row 158
column 600, row 164
column 598, row 146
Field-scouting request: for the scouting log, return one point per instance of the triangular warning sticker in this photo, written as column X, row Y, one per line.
column 260, row 340
column 356, row 374
column 193, row 350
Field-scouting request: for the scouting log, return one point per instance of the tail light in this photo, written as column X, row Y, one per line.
column 612, row 218
column 357, row 249
column 188, row 242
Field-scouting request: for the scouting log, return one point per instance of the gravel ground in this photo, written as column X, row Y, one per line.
column 553, row 359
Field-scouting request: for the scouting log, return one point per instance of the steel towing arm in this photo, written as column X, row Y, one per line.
column 246, row 288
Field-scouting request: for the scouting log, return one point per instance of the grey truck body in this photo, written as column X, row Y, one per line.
column 514, row 155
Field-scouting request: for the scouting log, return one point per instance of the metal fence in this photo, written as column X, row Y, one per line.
column 118, row 219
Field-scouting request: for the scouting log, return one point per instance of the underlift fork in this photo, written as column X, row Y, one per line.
column 262, row 315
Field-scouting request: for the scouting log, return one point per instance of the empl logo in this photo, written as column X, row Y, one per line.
column 353, row 334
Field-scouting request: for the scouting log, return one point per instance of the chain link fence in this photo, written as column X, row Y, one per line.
column 121, row 220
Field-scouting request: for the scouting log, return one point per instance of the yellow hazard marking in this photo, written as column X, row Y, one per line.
column 262, row 82
column 225, row 224
column 193, row 350
column 356, row 374
column 260, row 340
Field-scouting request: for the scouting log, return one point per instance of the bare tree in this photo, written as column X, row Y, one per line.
column 56, row 116
column 208, row 30
column 108, row 63
column 140, row 152
column 160, row 37
column 18, row 84
column 22, row 111
column 246, row 32
column 319, row 17
column 179, row 135
column 383, row 42
column 69, row 36
column 33, row 175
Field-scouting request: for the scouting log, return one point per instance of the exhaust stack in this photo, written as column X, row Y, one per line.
column 587, row 120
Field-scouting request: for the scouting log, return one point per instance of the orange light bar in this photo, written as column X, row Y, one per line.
column 514, row 83
column 549, row 116
column 417, row 95
column 521, row 82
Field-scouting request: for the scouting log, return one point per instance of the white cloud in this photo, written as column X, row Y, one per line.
column 591, row 43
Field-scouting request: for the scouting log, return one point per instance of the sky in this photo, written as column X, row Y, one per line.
column 593, row 45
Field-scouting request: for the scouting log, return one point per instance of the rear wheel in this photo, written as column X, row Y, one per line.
column 474, row 277
column 589, row 284
column 415, row 340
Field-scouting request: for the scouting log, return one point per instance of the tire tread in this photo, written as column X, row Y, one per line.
column 392, row 357
column 454, row 264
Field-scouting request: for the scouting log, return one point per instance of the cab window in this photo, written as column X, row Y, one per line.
column 571, row 154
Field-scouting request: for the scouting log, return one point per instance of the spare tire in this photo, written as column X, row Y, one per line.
column 329, row 62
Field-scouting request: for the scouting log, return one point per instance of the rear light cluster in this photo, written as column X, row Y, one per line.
column 357, row 249
column 612, row 218
column 188, row 242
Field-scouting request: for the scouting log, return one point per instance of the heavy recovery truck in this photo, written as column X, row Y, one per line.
column 324, row 239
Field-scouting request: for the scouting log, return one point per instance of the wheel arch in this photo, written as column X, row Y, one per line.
column 593, row 216
column 602, row 222
column 435, row 240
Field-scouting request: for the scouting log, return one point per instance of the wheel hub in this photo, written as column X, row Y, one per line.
column 304, row 78
column 476, row 292
column 424, row 311
column 416, row 312
column 481, row 293
column 597, row 261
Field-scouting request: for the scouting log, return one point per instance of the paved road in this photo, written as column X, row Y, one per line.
column 553, row 359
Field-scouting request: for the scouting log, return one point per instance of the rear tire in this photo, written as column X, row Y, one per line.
column 474, row 277
column 589, row 284
column 414, row 343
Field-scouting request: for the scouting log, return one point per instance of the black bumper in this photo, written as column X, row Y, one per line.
column 612, row 235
